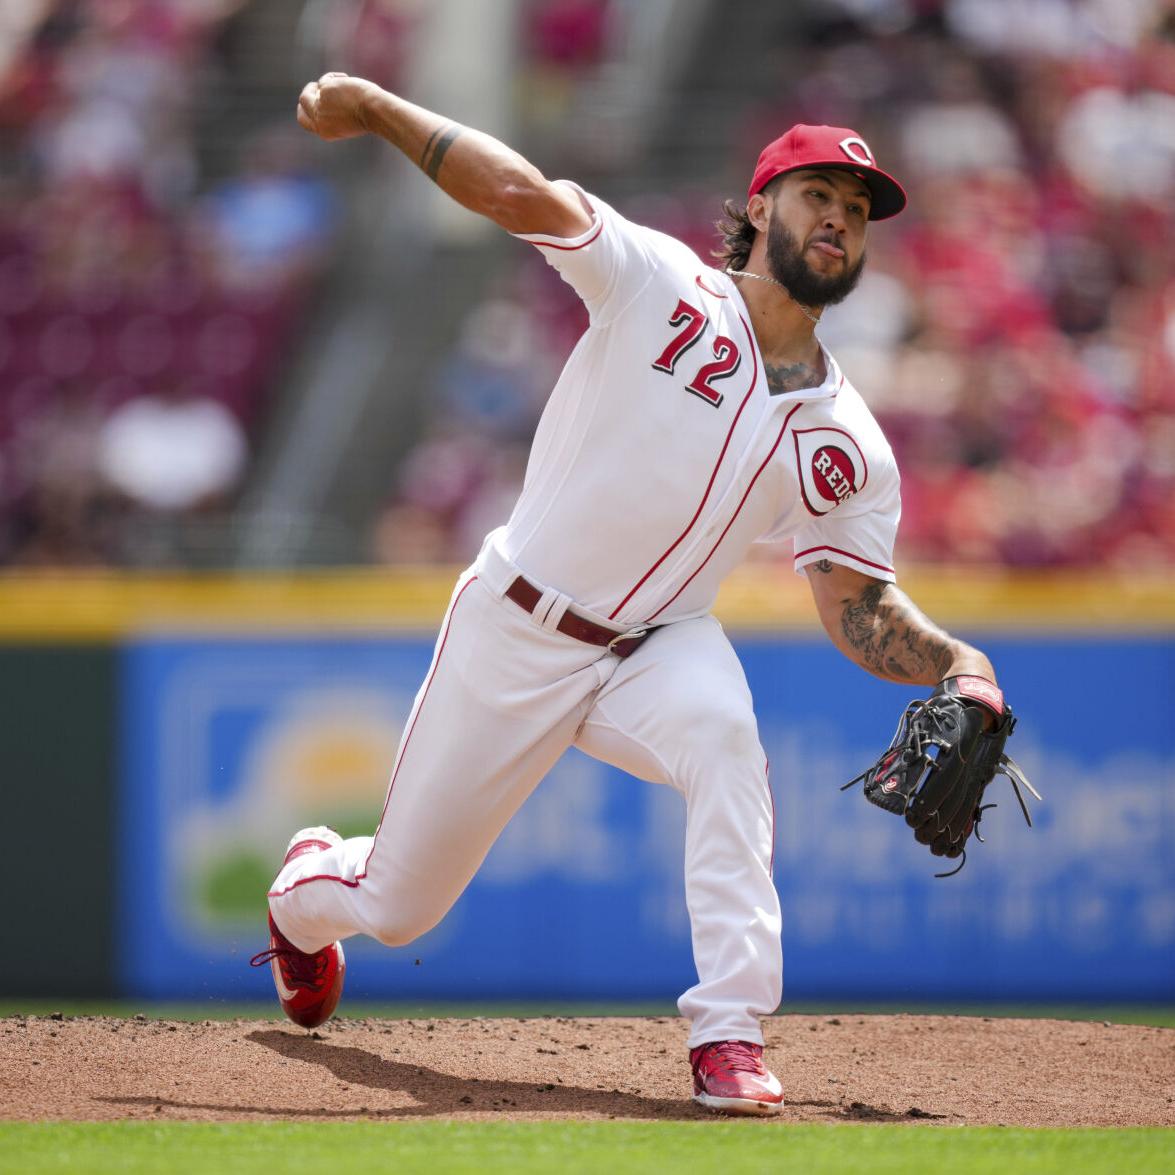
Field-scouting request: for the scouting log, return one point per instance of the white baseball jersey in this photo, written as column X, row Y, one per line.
column 662, row 456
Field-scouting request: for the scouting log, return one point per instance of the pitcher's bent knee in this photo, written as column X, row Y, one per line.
column 398, row 928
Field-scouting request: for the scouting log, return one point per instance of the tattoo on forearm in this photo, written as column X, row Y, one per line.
column 894, row 639
column 438, row 144
column 791, row 379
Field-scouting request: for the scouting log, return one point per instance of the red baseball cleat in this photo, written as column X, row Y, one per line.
column 729, row 1076
column 308, row 985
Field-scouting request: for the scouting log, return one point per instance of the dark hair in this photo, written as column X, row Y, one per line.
column 738, row 234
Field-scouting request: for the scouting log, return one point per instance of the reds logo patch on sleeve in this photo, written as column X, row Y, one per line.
column 832, row 468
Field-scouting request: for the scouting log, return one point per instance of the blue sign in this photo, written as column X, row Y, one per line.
column 230, row 745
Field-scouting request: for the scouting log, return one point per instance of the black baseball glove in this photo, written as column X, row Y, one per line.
column 940, row 762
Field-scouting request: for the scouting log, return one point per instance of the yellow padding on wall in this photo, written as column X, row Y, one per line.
column 102, row 606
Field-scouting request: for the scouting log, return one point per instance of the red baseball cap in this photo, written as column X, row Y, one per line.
column 830, row 146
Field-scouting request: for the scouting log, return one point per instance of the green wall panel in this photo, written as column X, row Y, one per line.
column 58, row 725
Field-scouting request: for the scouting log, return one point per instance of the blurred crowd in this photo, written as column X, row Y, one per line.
column 143, row 305
column 149, row 307
column 1015, row 331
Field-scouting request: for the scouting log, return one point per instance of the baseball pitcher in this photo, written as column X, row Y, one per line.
column 698, row 414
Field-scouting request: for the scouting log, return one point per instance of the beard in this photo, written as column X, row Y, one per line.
column 786, row 264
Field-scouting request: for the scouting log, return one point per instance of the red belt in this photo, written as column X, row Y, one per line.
column 526, row 596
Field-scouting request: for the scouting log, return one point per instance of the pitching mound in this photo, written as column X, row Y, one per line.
column 917, row 1069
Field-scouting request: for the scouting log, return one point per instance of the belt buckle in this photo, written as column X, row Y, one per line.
column 632, row 634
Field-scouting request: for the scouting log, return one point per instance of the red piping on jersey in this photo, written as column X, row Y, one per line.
column 709, row 485
column 396, row 770
column 849, row 554
column 738, row 509
column 571, row 248
column 771, row 797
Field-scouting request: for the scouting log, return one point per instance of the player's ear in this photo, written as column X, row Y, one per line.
column 759, row 211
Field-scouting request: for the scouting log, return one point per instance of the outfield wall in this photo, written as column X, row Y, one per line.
column 166, row 735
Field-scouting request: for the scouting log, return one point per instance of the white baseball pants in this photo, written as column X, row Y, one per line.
column 505, row 696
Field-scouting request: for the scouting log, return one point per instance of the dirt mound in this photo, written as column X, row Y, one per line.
column 917, row 1069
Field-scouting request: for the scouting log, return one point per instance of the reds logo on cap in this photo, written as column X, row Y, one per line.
column 831, row 466
column 857, row 150
column 830, row 146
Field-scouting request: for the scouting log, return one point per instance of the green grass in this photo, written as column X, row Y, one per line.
column 1160, row 1016
column 614, row 1147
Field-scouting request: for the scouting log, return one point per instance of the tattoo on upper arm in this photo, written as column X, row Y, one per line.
column 438, row 144
column 893, row 638
column 824, row 566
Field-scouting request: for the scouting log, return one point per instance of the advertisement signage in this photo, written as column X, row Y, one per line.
column 230, row 745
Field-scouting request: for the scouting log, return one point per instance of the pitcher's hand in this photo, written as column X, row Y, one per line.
column 332, row 107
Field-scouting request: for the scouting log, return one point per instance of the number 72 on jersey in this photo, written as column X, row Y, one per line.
column 692, row 323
